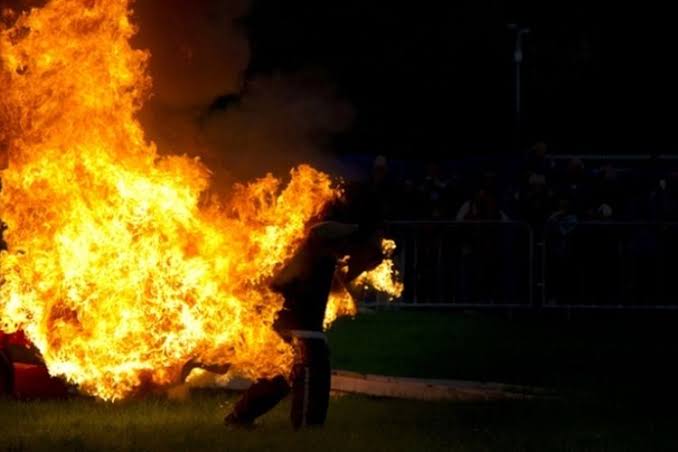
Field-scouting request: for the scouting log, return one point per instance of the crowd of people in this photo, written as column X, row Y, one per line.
column 597, row 263
column 533, row 187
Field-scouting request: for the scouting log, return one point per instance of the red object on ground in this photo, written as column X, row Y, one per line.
column 24, row 379
column 33, row 381
column 18, row 338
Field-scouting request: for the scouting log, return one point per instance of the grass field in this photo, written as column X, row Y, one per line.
column 597, row 357
column 354, row 424
column 614, row 378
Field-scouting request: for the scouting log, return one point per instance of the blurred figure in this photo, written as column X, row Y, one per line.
column 662, row 200
column 379, row 170
column 536, row 200
column 431, row 204
column 481, row 247
column 434, row 192
column 574, row 186
column 382, row 188
column 482, row 207
column 535, row 194
column 561, row 265
column 408, row 201
column 607, row 195
column 535, row 162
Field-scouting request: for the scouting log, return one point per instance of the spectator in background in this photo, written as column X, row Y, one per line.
column 431, row 204
column 381, row 188
column 648, row 253
column 574, row 186
column 536, row 160
column 407, row 206
column 563, row 276
column 379, row 170
column 536, row 199
column 481, row 247
column 600, row 247
column 434, row 193
column 662, row 200
column 535, row 195
column 607, row 195
column 482, row 207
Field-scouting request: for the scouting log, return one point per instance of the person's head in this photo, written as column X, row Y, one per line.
column 484, row 205
column 379, row 168
column 564, row 205
column 536, row 182
column 575, row 167
column 539, row 150
column 609, row 173
column 489, row 180
column 433, row 170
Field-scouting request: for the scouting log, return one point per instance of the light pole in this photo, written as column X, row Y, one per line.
column 519, row 31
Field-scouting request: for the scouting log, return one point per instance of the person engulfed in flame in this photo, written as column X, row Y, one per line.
column 305, row 283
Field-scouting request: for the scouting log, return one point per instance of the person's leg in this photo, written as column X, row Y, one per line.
column 259, row 399
column 311, row 382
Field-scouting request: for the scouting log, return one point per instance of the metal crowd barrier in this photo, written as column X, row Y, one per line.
column 466, row 264
column 503, row 264
column 609, row 265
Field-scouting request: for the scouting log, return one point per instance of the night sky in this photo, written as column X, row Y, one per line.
column 429, row 77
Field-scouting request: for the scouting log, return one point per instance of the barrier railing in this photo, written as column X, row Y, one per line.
column 464, row 264
column 495, row 264
column 608, row 265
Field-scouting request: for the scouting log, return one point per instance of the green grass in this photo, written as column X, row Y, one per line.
column 606, row 357
column 615, row 378
column 354, row 424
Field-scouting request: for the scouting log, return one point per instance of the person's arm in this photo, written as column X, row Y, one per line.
column 341, row 284
column 463, row 211
column 364, row 257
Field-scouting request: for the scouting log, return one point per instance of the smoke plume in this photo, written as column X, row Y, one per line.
column 200, row 54
column 203, row 105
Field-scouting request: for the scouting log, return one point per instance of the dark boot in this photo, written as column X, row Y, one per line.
column 232, row 421
column 259, row 399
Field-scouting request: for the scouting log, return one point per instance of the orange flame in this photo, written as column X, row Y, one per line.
column 382, row 279
column 119, row 269
column 339, row 304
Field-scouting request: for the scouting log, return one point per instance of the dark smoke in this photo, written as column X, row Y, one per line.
column 198, row 51
column 203, row 105
column 278, row 122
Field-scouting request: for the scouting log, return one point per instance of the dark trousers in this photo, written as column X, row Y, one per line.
column 309, row 384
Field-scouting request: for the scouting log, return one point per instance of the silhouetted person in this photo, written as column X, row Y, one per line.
column 305, row 283
column 480, row 248
column 482, row 207
column 563, row 280
column 574, row 186
column 434, row 193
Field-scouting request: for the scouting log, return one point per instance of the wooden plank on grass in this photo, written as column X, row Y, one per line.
column 416, row 388
column 426, row 389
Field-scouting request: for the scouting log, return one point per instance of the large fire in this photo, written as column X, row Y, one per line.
column 381, row 279
column 120, row 267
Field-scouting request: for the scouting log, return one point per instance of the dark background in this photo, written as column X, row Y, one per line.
column 437, row 77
